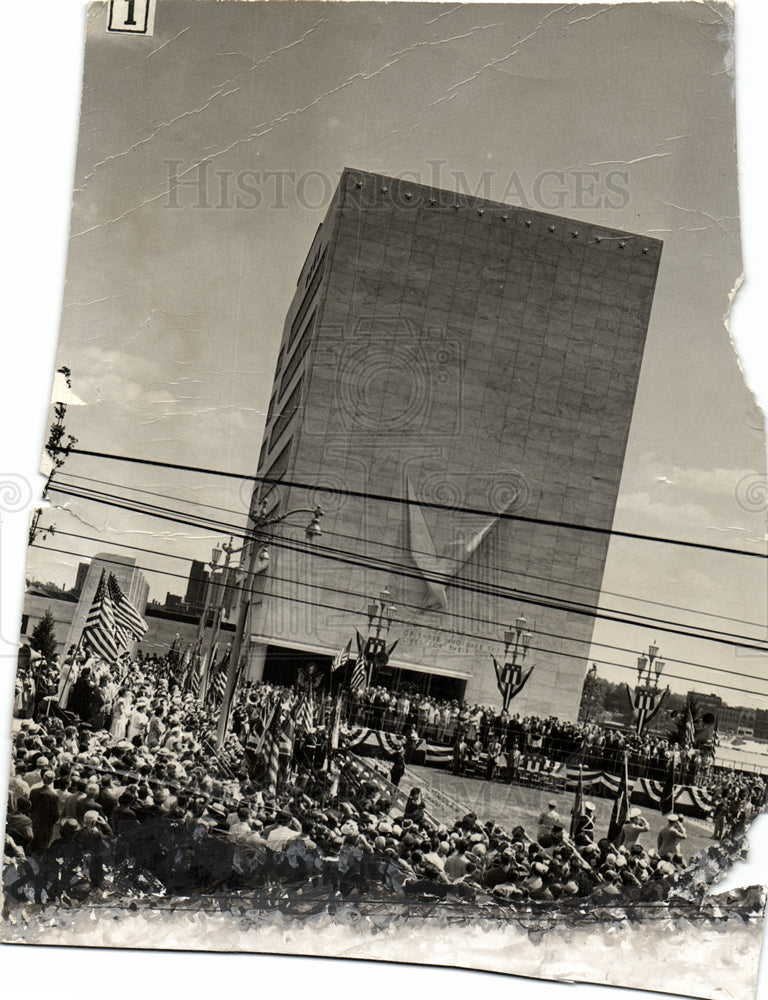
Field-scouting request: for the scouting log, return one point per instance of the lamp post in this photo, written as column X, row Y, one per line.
column 258, row 560
column 381, row 612
column 218, row 614
column 647, row 695
column 203, row 621
column 517, row 639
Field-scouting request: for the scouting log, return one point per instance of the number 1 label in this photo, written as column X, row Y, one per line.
column 132, row 16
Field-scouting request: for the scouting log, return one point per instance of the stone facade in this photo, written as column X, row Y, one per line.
column 471, row 357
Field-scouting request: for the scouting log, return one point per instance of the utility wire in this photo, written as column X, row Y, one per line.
column 400, row 604
column 401, row 548
column 338, row 555
column 536, row 648
column 432, row 505
column 144, row 506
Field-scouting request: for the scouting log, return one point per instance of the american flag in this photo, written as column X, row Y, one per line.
column 273, row 765
column 262, row 725
column 620, row 810
column 341, row 657
column 99, row 630
column 578, row 804
column 219, row 683
column 305, row 713
column 335, row 724
column 194, row 675
column 286, row 736
column 359, row 673
column 129, row 625
column 690, row 726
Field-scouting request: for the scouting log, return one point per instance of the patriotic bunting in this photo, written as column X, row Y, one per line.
column 510, row 680
column 645, row 704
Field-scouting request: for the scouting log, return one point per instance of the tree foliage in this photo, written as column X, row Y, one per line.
column 43, row 637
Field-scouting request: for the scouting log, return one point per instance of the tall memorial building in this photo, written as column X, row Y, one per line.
column 463, row 372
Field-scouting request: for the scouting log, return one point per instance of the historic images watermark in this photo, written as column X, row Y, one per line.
column 15, row 499
column 205, row 186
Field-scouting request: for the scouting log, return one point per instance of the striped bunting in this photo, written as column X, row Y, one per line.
column 99, row 630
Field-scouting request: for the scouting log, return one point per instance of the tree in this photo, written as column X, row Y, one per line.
column 43, row 637
column 58, row 448
column 592, row 696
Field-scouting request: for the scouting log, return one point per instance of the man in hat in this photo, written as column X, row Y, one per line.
column 285, row 829
column 551, row 817
column 44, row 811
column 670, row 837
column 635, row 825
column 584, row 834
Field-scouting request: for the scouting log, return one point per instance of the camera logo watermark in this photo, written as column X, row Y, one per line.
column 752, row 492
column 384, row 379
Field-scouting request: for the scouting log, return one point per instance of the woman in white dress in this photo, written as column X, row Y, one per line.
column 121, row 714
column 69, row 674
column 137, row 724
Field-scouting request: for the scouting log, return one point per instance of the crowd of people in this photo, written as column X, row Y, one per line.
column 487, row 730
column 116, row 784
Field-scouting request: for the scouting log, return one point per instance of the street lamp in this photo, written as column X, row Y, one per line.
column 203, row 620
column 517, row 639
column 647, row 694
column 379, row 612
column 229, row 551
column 258, row 559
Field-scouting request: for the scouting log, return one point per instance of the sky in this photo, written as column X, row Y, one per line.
column 175, row 296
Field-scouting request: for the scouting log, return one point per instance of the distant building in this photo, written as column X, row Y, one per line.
column 761, row 724
column 82, row 573
column 196, row 586
column 738, row 720
column 164, row 624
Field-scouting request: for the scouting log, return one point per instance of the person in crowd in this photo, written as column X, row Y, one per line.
column 635, row 825
column 154, row 795
column 547, row 819
column 398, row 767
column 671, row 837
column 44, row 810
column 584, row 832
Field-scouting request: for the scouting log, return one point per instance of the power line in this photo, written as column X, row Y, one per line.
column 401, row 548
column 152, row 509
column 405, row 622
column 404, row 604
column 338, row 555
column 432, row 505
